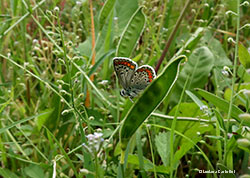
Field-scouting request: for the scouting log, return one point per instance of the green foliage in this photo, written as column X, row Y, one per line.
column 106, row 9
column 34, row 171
column 7, row 173
column 162, row 143
column 197, row 68
column 244, row 56
column 180, row 125
column 131, row 34
column 221, row 104
column 154, row 94
column 124, row 11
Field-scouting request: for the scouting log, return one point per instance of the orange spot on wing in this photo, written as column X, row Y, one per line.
column 132, row 67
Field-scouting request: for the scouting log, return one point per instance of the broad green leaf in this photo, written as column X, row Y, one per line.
column 41, row 120
column 34, row 171
column 6, row 173
column 220, row 60
column 244, row 56
column 220, row 57
column 222, row 104
column 133, row 159
column 162, row 143
column 186, row 110
column 131, row 34
column 123, row 12
column 194, row 134
column 243, row 74
column 198, row 67
column 150, row 99
column 85, row 48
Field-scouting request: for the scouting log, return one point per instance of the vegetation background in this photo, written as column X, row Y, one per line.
column 60, row 107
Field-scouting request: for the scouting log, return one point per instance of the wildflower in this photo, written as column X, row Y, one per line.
column 95, row 142
column 204, row 109
column 78, row 3
column 225, row 73
column 56, row 9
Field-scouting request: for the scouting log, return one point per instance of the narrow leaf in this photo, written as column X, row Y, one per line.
column 105, row 11
column 244, row 56
column 21, row 121
column 150, row 99
column 131, row 34
column 221, row 104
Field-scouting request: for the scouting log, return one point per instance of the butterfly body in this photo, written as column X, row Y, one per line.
column 133, row 79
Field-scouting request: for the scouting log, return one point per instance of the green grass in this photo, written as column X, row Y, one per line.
column 197, row 122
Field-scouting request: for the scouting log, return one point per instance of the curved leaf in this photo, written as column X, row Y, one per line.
column 215, row 46
column 244, row 56
column 150, row 99
column 106, row 9
column 222, row 104
column 123, row 12
column 198, row 67
column 100, row 61
column 131, row 34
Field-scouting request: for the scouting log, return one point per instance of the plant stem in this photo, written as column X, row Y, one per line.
column 87, row 101
column 233, row 78
column 171, row 37
column 159, row 29
column 152, row 153
column 173, row 130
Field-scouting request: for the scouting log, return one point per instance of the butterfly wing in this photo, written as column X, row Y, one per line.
column 124, row 69
column 142, row 77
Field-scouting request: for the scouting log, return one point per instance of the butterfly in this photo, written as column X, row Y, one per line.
column 132, row 78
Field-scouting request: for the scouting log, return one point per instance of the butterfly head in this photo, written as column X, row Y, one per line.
column 129, row 92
